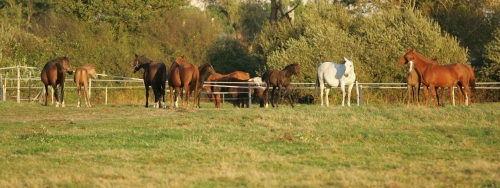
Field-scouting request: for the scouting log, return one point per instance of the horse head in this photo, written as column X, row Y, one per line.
column 91, row 71
column 407, row 57
column 209, row 68
column 180, row 60
column 295, row 69
column 139, row 61
column 66, row 65
column 349, row 66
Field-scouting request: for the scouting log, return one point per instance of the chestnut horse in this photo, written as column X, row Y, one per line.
column 54, row 73
column 204, row 69
column 280, row 79
column 237, row 87
column 216, row 97
column 82, row 79
column 435, row 75
column 155, row 75
column 183, row 76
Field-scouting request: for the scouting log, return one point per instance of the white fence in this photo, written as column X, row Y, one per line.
column 5, row 79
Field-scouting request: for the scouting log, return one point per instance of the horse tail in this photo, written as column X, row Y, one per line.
column 472, row 78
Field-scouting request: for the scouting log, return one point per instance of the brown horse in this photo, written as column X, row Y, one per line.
column 183, row 76
column 234, row 85
column 280, row 79
column 216, row 97
column 204, row 69
column 155, row 75
column 413, row 83
column 54, row 73
column 435, row 75
column 82, row 79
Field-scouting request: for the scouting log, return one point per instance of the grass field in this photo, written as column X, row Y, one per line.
column 309, row 146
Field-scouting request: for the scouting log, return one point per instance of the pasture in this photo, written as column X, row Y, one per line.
column 382, row 145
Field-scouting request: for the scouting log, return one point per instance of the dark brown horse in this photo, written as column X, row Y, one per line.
column 216, row 97
column 54, row 73
column 155, row 75
column 82, row 79
column 280, row 79
column 204, row 69
column 183, row 76
column 435, row 75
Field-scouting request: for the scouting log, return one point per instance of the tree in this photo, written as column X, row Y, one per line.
column 491, row 70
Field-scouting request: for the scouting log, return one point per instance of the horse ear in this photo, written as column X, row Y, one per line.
column 136, row 55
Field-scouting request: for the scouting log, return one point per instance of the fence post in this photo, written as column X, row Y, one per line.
column 18, row 84
column 1, row 87
column 360, row 97
column 357, row 93
column 5, row 88
column 249, row 96
column 29, row 88
column 90, row 86
column 106, row 97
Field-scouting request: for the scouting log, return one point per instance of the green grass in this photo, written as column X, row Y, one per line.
column 309, row 146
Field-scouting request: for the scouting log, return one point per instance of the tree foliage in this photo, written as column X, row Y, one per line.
column 491, row 71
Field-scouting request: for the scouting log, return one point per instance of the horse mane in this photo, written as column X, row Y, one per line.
column 291, row 65
column 88, row 66
column 59, row 59
column 420, row 56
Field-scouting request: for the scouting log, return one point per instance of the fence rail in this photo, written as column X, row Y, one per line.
column 34, row 84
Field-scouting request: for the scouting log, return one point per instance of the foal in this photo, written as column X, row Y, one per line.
column 81, row 79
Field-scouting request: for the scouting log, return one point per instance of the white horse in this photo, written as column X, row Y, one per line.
column 335, row 75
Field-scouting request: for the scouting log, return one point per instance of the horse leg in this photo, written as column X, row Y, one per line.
column 78, row 89
column 288, row 90
column 426, row 95
column 434, row 94
column 46, row 93
column 342, row 88
column 62, row 94
column 418, row 94
column 410, row 93
column 147, row 95
column 327, row 101
column 349, row 95
column 278, row 100
column 85, row 92
column 321, row 88
column 157, row 93
column 54, row 87
column 441, row 98
column 172, row 97
column 461, row 93
column 468, row 95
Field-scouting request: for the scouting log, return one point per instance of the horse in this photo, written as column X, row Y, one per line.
column 54, row 73
column 435, row 75
column 259, row 89
column 336, row 75
column 183, row 76
column 280, row 79
column 238, row 89
column 204, row 69
column 413, row 83
column 216, row 97
column 81, row 79
column 155, row 75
